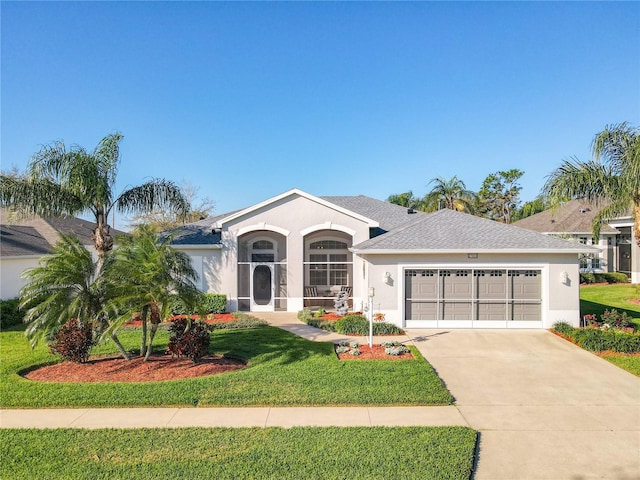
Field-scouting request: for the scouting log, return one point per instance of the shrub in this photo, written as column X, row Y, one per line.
column 396, row 350
column 354, row 351
column 355, row 324
column 73, row 341
column 211, row 303
column 563, row 328
column 598, row 340
column 319, row 313
column 328, row 325
column 10, row 313
column 342, row 349
column 214, row 302
column 305, row 315
column 587, row 278
column 615, row 319
column 192, row 343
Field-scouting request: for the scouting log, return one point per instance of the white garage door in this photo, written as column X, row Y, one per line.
column 467, row 298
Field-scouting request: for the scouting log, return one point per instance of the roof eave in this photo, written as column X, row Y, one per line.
column 382, row 251
column 195, row 246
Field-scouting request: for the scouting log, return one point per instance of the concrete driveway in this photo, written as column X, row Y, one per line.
column 545, row 408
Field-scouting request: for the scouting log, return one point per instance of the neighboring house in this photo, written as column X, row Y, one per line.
column 445, row 269
column 618, row 248
column 24, row 241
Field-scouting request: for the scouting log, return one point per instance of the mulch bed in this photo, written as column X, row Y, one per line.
column 117, row 369
column 375, row 353
column 213, row 318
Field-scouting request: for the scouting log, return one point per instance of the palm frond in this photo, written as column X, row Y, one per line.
column 157, row 193
column 32, row 196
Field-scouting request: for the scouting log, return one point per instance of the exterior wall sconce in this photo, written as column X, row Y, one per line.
column 387, row 278
column 565, row 277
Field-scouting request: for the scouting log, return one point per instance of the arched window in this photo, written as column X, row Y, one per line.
column 328, row 263
column 263, row 251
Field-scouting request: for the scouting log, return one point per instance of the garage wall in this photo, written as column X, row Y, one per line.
column 560, row 301
column 11, row 270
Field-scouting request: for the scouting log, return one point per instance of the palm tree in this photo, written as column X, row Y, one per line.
column 406, row 199
column 452, row 194
column 610, row 179
column 70, row 181
column 143, row 275
column 62, row 287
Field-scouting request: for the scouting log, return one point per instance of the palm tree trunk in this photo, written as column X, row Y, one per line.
column 124, row 353
column 152, row 334
column 143, row 340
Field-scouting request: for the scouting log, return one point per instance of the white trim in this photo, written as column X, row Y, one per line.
column 25, row 257
column 433, row 251
column 294, row 191
column 262, row 226
column 327, row 226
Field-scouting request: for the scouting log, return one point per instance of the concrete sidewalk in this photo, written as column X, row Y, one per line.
column 232, row 417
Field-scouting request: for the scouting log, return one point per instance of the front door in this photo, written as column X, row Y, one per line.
column 262, row 288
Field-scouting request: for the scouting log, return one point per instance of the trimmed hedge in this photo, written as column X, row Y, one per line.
column 597, row 340
column 10, row 313
column 211, row 303
column 243, row 320
column 608, row 277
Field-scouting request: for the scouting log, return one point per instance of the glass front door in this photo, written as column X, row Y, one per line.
column 262, row 288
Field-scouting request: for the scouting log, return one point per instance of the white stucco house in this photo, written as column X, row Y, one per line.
column 23, row 242
column 444, row 269
column 617, row 243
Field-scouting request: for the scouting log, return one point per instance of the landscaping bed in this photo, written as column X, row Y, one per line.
column 376, row 352
column 117, row 369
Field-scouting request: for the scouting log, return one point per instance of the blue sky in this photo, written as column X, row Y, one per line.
column 247, row 100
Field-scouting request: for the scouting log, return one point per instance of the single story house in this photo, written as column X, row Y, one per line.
column 444, row 269
column 23, row 242
column 618, row 247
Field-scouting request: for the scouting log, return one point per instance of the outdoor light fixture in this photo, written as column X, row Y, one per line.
column 565, row 278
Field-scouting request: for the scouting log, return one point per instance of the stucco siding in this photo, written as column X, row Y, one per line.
column 11, row 270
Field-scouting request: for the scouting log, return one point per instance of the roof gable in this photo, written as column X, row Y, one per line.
column 451, row 231
column 293, row 192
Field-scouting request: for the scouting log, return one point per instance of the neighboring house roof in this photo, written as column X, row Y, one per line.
column 449, row 231
column 574, row 217
column 37, row 235
column 196, row 233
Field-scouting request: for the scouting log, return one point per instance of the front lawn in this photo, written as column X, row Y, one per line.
column 595, row 299
column 283, row 370
column 242, row 453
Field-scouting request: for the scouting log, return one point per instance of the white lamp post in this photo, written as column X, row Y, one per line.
column 372, row 293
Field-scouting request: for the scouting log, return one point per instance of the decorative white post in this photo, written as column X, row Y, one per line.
column 372, row 293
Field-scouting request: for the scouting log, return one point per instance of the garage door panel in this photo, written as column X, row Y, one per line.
column 526, row 311
column 491, row 311
column 421, row 310
column 456, row 311
column 457, row 284
column 491, row 284
column 421, row 284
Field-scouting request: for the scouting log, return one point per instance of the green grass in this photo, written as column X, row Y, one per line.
column 283, row 369
column 243, row 453
column 626, row 362
column 596, row 299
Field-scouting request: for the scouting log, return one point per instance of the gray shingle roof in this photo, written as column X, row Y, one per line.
column 575, row 216
column 196, row 233
column 448, row 230
column 388, row 215
column 36, row 235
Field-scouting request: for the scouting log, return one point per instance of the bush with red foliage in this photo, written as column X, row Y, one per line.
column 192, row 343
column 73, row 341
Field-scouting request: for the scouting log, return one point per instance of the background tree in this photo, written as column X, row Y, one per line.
column 143, row 275
column 71, row 181
column 165, row 219
column 406, row 199
column 499, row 195
column 61, row 288
column 537, row 205
column 611, row 179
column 451, row 194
